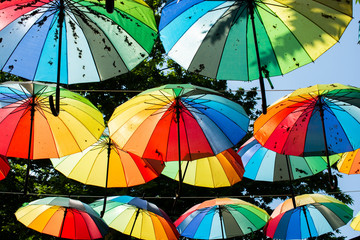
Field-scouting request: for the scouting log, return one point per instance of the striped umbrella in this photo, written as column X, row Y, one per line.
column 62, row 217
column 314, row 215
column 221, row 218
column 136, row 217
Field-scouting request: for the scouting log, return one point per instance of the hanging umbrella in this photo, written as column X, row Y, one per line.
column 104, row 164
column 349, row 163
column 250, row 39
column 355, row 223
column 4, row 167
column 262, row 164
column 221, row 218
column 314, row 215
column 62, row 217
column 69, row 41
column 136, row 217
column 30, row 131
column 316, row 121
column 178, row 122
column 223, row 170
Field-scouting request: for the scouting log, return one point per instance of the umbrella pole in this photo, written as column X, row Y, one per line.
column 333, row 184
column 261, row 79
column 62, row 225
column 290, row 180
column 177, row 109
column 307, row 221
column 221, row 220
column 132, row 228
column 107, row 175
column 32, row 114
column 55, row 108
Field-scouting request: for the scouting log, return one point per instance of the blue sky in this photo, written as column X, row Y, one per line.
column 340, row 64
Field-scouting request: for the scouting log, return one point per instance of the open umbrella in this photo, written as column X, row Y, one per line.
column 262, row 164
column 178, row 122
column 29, row 130
column 223, row 170
column 221, row 218
column 62, row 217
column 70, row 41
column 138, row 218
column 349, row 163
column 314, row 215
column 250, row 39
column 4, row 167
column 104, row 164
column 316, row 121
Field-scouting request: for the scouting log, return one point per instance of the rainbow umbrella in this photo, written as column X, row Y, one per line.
column 314, row 215
column 221, row 218
column 4, row 167
column 62, row 217
column 349, row 163
column 104, row 164
column 250, row 39
column 29, row 129
column 71, row 41
column 262, row 164
column 316, row 121
column 178, row 122
column 137, row 217
column 223, row 170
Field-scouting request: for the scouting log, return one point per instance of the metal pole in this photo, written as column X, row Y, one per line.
column 32, row 114
column 290, row 180
column 107, row 175
column 55, row 108
column 177, row 111
column 307, row 221
column 321, row 110
column 261, row 79
column 221, row 220
column 132, row 228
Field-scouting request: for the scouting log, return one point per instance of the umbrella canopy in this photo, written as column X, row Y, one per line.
column 62, row 217
column 252, row 39
column 178, row 122
column 136, row 217
column 293, row 124
column 4, row 167
column 349, row 163
column 314, row 215
column 262, row 164
column 29, row 130
column 355, row 223
column 93, row 45
column 223, row 170
column 316, row 121
column 99, row 167
column 221, row 218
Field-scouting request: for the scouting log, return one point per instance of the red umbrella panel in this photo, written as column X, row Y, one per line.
column 4, row 167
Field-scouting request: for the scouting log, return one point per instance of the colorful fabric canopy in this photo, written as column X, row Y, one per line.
column 137, row 217
column 29, row 130
column 178, row 122
column 62, row 217
column 95, row 45
column 262, row 164
column 221, row 218
column 223, row 170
